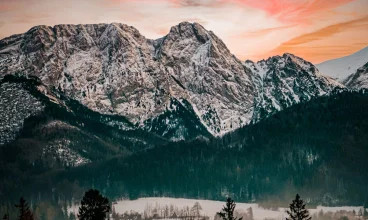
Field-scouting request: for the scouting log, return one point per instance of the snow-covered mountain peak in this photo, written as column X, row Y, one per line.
column 343, row 67
column 288, row 60
column 359, row 79
column 113, row 69
column 204, row 72
column 188, row 30
column 282, row 81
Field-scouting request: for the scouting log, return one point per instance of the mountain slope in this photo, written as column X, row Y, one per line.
column 113, row 69
column 283, row 81
column 43, row 122
column 341, row 68
column 212, row 79
column 359, row 79
column 317, row 149
column 178, row 122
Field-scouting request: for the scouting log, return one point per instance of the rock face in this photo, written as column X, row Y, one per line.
column 208, row 76
column 46, row 126
column 113, row 69
column 282, row 81
column 358, row 80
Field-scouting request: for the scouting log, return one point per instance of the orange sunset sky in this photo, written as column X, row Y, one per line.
column 316, row 30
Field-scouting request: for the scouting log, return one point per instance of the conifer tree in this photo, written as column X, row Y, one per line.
column 297, row 210
column 24, row 212
column 228, row 211
column 94, row 206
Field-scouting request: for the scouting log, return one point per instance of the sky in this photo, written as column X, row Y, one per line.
column 316, row 30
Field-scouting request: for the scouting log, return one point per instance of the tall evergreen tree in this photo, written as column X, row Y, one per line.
column 297, row 210
column 94, row 206
column 228, row 211
column 24, row 212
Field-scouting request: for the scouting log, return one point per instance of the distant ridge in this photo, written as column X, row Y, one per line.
column 340, row 68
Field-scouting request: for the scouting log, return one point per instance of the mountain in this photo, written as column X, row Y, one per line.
column 359, row 79
column 113, row 70
column 102, row 106
column 283, row 81
column 43, row 127
column 341, row 68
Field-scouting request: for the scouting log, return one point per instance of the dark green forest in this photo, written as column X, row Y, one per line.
column 318, row 148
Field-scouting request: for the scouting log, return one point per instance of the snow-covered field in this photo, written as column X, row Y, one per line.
column 210, row 208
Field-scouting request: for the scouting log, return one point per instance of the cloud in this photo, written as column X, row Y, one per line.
column 197, row 3
column 177, row 3
column 327, row 43
column 6, row 6
column 326, row 32
column 265, row 31
column 293, row 11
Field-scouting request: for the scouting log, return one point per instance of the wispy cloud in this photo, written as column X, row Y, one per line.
column 179, row 3
column 265, row 31
column 195, row 3
column 327, row 42
column 7, row 5
column 325, row 32
column 293, row 11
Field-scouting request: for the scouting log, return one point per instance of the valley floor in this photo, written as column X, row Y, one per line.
column 210, row 208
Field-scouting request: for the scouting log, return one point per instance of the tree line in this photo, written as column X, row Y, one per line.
column 95, row 206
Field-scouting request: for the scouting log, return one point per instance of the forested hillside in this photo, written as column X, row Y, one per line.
column 317, row 148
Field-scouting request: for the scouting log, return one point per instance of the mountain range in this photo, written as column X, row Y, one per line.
column 74, row 96
column 113, row 70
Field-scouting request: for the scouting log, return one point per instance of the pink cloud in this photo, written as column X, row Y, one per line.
column 179, row 3
column 5, row 7
column 293, row 11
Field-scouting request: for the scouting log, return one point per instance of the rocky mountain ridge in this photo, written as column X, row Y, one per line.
column 54, row 129
column 283, row 81
column 114, row 70
column 359, row 79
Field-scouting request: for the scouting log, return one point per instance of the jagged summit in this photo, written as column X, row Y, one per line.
column 285, row 80
column 113, row 69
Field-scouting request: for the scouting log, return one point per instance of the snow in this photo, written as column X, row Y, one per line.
column 343, row 67
column 202, row 56
column 201, row 120
column 282, row 81
column 359, row 79
column 16, row 104
column 260, row 67
column 211, row 207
